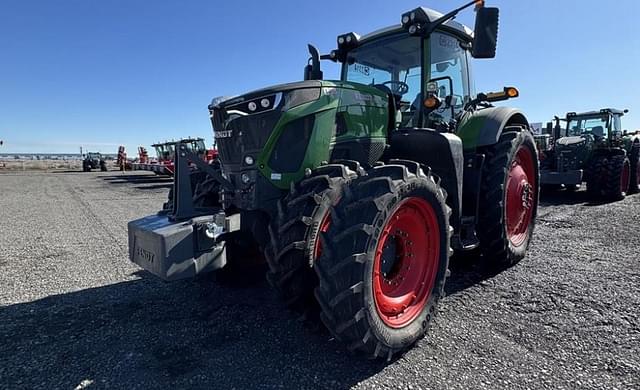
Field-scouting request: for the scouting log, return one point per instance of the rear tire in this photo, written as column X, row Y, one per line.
column 294, row 243
column 369, row 301
column 634, row 167
column 617, row 172
column 509, row 198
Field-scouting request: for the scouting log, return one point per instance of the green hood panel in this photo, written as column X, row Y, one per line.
column 344, row 112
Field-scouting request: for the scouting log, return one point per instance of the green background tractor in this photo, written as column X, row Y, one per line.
column 357, row 191
column 592, row 147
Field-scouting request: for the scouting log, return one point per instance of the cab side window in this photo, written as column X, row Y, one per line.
column 617, row 123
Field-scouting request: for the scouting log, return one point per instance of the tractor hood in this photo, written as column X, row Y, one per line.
column 275, row 133
column 248, row 121
column 573, row 152
column 228, row 101
column 571, row 141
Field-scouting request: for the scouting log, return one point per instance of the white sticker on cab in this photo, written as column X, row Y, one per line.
column 276, row 176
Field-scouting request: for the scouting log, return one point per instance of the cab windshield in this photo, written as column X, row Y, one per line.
column 392, row 62
column 200, row 147
column 162, row 151
column 196, row 146
column 595, row 125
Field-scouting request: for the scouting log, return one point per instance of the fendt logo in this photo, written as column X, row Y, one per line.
column 223, row 134
column 145, row 255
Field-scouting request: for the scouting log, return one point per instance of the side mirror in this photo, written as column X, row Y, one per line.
column 485, row 33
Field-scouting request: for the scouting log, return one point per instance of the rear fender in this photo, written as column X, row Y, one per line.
column 484, row 127
column 442, row 152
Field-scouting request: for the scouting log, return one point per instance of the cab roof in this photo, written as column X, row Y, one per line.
column 182, row 140
column 451, row 25
column 613, row 111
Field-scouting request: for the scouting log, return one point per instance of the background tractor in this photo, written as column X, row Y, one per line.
column 93, row 160
column 592, row 147
column 165, row 152
column 358, row 190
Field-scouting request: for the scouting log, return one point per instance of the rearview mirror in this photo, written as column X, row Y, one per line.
column 485, row 33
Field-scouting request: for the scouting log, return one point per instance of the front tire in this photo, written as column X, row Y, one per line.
column 594, row 175
column 383, row 269
column 204, row 189
column 294, row 235
column 509, row 198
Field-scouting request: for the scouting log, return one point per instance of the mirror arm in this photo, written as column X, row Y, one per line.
column 443, row 19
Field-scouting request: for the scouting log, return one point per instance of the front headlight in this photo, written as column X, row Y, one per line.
column 298, row 97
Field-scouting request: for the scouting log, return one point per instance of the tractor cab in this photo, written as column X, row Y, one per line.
column 94, row 156
column 423, row 65
column 392, row 62
column 602, row 126
column 166, row 150
column 195, row 145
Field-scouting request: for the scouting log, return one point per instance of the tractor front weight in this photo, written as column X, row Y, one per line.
column 183, row 241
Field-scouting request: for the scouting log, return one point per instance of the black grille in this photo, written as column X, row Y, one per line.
column 243, row 134
column 292, row 145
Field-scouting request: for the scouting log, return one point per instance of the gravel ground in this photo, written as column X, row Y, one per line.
column 75, row 313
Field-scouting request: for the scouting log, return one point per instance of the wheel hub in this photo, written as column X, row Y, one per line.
column 391, row 256
column 520, row 196
column 406, row 262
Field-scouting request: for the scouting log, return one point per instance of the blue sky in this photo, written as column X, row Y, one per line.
column 101, row 73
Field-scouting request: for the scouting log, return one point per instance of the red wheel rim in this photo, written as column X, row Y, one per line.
column 520, row 196
column 624, row 177
column 406, row 262
column 324, row 227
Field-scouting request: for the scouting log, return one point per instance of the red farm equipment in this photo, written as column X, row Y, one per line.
column 165, row 153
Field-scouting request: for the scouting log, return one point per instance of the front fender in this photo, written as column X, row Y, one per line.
column 484, row 127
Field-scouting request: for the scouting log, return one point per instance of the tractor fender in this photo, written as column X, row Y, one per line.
column 442, row 152
column 484, row 127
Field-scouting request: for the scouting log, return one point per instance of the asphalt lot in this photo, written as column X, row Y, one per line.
column 74, row 312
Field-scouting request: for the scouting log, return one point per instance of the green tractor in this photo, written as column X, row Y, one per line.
column 357, row 191
column 93, row 160
column 591, row 147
